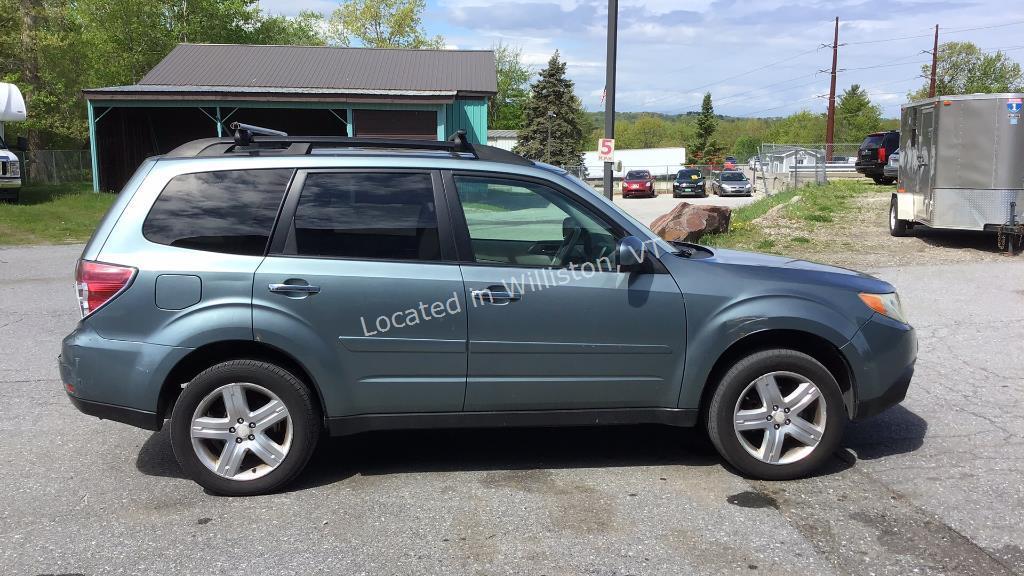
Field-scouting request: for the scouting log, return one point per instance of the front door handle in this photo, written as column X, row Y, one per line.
column 498, row 295
column 294, row 288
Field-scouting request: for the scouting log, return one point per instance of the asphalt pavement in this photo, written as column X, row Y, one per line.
column 647, row 209
column 934, row 486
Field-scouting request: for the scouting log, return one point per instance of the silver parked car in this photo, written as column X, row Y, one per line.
column 892, row 167
column 732, row 183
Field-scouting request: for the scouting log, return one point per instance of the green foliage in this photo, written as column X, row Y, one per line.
column 382, row 24
column 52, row 49
column 856, row 116
column 745, row 147
column 506, row 109
column 553, row 127
column 703, row 148
column 53, row 214
column 964, row 69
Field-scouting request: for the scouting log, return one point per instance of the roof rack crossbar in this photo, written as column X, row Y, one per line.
column 275, row 142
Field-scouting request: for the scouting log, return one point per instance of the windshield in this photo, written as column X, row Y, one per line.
column 684, row 174
column 733, row 177
column 637, row 175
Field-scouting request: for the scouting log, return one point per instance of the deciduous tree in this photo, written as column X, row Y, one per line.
column 964, row 69
column 382, row 24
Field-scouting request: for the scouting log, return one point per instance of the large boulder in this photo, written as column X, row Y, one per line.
column 688, row 222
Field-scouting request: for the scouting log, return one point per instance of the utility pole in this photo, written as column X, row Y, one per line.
column 935, row 63
column 830, row 126
column 609, row 88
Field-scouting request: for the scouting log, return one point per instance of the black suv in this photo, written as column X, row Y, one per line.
column 874, row 153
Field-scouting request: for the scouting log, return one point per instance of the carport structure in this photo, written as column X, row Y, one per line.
column 197, row 90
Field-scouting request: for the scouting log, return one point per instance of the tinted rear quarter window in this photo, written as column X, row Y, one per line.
column 387, row 216
column 231, row 211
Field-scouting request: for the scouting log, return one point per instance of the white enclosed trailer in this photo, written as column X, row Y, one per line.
column 12, row 109
column 961, row 165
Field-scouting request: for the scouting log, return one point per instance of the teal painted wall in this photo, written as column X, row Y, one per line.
column 469, row 115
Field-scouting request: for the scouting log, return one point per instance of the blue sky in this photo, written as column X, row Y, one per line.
column 757, row 58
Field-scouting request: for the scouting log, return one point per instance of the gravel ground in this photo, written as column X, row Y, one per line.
column 934, row 486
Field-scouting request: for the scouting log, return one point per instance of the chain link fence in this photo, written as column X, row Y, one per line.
column 664, row 177
column 790, row 165
column 55, row 166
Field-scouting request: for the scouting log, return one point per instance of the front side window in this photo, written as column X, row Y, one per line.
column 231, row 211
column 386, row 216
column 514, row 222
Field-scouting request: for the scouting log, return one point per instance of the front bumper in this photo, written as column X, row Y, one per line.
column 892, row 172
column 882, row 356
column 6, row 183
column 116, row 379
column 695, row 189
column 727, row 192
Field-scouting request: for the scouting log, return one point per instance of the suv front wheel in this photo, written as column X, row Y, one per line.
column 776, row 415
column 244, row 427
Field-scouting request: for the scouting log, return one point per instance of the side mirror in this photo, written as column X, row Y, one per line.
column 22, row 144
column 632, row 254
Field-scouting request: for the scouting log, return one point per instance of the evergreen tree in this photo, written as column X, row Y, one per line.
column 552, row 130
column 704, row 149
column 856, row 116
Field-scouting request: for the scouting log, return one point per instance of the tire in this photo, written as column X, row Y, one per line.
column 295, row 434
column 792, row 371
column 897, row 227
column 888, row 180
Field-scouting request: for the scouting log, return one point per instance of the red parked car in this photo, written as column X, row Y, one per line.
column 638, row 183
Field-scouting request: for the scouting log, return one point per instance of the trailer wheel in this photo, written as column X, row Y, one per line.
column 897, row 227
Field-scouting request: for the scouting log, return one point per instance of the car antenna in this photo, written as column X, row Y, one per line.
column 245, row 132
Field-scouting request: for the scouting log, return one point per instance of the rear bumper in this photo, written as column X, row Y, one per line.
column 116, row 379
column 882, row 356
column 871, row 169
column 137, row 418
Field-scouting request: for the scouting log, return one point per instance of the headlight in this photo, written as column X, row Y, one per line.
column 885, row 304
column 15, row 168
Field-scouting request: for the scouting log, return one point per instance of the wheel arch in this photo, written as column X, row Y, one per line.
column 216, row 352
column 817, row 347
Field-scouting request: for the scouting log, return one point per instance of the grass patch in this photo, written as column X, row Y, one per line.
column 817, row 207
column 53, row 214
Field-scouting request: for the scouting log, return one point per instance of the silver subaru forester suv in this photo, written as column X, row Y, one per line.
column 261, row 290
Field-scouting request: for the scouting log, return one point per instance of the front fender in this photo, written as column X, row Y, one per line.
column 711, row 335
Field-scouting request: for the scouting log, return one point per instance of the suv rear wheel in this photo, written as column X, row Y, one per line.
column 244, row 427
column 776, row 415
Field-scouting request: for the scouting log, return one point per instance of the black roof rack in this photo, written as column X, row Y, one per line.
column 256, row 141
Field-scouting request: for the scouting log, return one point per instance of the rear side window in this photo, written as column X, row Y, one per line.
column 231, row 211
column 385, row 216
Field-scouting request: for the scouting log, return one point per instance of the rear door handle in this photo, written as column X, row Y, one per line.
column 294, row 288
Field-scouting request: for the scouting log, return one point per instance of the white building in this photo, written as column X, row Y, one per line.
column 660, row 161
column 504, row 139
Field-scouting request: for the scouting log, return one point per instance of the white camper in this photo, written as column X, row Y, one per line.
column 12, row 109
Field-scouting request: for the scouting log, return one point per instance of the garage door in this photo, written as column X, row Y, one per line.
column 411, row 124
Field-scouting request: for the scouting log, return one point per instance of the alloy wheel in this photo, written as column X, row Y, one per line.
column 780, row 417
column 241, row 431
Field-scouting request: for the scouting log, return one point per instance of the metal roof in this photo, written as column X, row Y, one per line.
column 318, row 69
column 502, row 134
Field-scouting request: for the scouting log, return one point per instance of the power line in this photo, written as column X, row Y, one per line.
column 929, row 35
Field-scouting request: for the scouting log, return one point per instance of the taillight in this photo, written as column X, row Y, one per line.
column 97, row 283
column 881, row 154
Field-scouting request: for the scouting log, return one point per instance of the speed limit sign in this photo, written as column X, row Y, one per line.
column 606, row 150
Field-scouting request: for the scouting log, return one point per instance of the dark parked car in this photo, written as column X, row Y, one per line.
column 892, row 167
column 689, row 181
column 638, row 183
column 731, row 183
column 874, row 154
column 261, row 293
